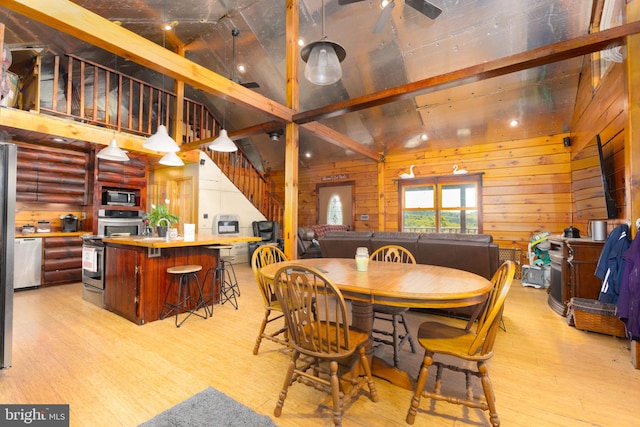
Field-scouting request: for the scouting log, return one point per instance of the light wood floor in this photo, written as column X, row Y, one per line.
column 114, row 373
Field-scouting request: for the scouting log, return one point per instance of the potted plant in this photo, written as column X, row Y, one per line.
column 161, row 219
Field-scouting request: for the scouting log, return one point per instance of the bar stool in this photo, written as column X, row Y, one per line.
column 227, row 264
column 184, row 293
column 228, row 288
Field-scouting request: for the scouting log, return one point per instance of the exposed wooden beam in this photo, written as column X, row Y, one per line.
column 21, row 121
column 262, row 128
column 335, row 137
column 85, row 25
column 578, row 46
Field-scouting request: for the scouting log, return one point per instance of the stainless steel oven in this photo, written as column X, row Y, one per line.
column 112, row 221
column 93, row 270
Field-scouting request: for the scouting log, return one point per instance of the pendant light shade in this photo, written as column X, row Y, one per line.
column 161, row 141
column 323, row 60
column 223, row 143
column 171, row 159
column 113, row 152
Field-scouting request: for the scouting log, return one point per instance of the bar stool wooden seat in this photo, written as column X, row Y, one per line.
column 188, row 299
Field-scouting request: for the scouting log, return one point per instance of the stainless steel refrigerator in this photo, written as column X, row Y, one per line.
column 7, row 235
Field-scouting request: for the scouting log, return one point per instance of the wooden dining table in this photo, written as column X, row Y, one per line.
column 394, row 284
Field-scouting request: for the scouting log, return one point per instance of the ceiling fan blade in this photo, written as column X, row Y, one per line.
column 423, row 6
column 384, row 17
column 251, row 85
column 343, row 2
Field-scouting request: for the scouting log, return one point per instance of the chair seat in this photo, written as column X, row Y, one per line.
column 356, row 338
column 441, row 338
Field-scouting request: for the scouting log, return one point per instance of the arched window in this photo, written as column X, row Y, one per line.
column 334, row 210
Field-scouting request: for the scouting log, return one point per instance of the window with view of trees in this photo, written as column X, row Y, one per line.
column 441, row 204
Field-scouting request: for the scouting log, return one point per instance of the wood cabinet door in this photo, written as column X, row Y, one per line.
column 584, row 282
column 121, row 282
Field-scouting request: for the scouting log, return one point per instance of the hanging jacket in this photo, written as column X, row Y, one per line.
column 628, row 307
column 610, row 266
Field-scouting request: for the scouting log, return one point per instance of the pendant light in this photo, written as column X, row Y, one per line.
column 223, row 143
column 323, row 59
column 171, row 159
column 113, row 152
column 161, row 141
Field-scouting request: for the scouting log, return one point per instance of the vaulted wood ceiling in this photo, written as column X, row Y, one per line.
column 459, row 79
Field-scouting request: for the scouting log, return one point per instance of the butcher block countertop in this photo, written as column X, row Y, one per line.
column 161, row 242
column 51, row 234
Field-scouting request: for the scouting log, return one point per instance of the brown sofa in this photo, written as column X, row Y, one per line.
column 308, row 246
column 475, row 253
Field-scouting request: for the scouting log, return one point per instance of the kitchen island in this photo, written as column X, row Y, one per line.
column 136, row 279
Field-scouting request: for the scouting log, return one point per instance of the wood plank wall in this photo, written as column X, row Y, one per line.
column 529, row 185
column 526, row 186
column 601, row 110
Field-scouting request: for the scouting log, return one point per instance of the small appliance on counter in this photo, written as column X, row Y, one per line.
column 43, row 227
column 28, row 229
column 572, row 232
column 68, row 223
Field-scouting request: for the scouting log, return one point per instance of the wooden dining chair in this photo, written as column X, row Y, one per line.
column 264, row 255
column 395, row 315
column 464, row 346
column 319, row 332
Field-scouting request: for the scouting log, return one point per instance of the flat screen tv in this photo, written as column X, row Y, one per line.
column 607, row 171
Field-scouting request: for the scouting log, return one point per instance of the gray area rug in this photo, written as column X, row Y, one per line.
column 209, row 408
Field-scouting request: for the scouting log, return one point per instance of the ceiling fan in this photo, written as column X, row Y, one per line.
column 249, row 85
column 423, row 6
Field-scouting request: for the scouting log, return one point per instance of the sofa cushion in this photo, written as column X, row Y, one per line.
column 343, row 244
column 481, row 238
column 469, row 252
column 407, row 240
column 321, row 229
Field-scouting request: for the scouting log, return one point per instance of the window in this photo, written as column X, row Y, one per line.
column 441, row 204
column 334, row 211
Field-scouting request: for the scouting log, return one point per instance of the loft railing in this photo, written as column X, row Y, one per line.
column 106, row 97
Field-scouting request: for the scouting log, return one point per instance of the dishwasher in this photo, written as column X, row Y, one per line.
column 27, row 266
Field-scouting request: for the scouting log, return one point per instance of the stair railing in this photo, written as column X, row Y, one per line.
column 250, row 181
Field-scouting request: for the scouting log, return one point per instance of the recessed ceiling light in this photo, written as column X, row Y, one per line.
column 167, row 26
column 300, row 42
column 307, row 154
column 424, row 137
column 463, row 132
column 58, row 139
column 241, row 68
column 514, row 123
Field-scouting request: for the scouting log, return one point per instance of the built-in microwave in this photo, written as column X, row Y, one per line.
column 118, row 198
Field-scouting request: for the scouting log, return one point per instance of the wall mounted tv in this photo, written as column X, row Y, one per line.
column 607, row 170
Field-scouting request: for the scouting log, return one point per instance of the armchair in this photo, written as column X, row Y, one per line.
column 269, row 231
